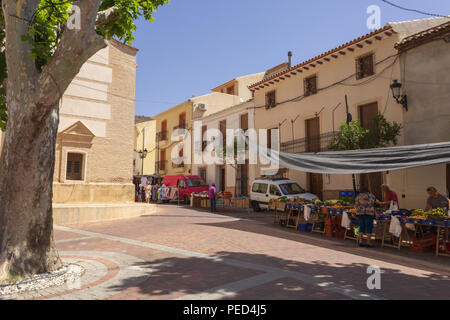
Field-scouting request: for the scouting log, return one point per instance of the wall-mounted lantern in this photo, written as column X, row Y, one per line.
column 396, row 88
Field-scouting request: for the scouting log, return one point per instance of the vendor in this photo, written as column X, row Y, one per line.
column 389, row 195
column 365, row 210
column 436, row 200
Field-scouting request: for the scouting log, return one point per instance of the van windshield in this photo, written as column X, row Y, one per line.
column 291, row 188
column 195, row 183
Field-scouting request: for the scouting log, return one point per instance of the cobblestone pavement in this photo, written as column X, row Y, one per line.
column 180, row 253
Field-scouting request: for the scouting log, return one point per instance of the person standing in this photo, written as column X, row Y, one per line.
column 389, row 195
column 148, row 192
column 436, row 200
column 365, row 210
column 212, row 197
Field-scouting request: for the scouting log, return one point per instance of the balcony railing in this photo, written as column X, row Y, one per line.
column 163, row 135
column 161, row 165
column 180, row 126
column 317, row 143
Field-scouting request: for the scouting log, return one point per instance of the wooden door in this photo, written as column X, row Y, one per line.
column 74, row 166
column 315, row 181
column 222, row 178
column 244, row 122
column 162, row 162
column 366, row 114
column 223, row 131
column 312, row 144
column 372, row 180
column 313, row 135
column 242, row 179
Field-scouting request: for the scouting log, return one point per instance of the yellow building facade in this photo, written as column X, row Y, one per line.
column 145, row 150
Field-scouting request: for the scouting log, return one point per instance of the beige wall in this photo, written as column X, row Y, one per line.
column 214, row 102
column 145, row 138
column 240, row 85
column 328, row 73
column 97, row 120
column 426, row 76
column 232, row 116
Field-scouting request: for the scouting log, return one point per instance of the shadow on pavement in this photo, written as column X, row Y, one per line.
column 177, row 277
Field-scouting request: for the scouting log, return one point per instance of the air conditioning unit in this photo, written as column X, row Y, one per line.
column 202, row 107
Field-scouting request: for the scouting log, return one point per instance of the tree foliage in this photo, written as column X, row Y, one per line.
column 49, row 22
column 353, row 136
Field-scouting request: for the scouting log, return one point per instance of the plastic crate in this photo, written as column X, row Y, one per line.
column 305, row 227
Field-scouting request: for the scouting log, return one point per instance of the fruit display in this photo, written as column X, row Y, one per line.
column 437, row 213
column 418, row 213
column 433, row 214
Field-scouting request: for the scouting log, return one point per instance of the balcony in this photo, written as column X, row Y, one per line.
column 163, row 135
column 180, row 126
column 308, row 144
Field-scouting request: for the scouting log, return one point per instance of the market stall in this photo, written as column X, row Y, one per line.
column 419, row 230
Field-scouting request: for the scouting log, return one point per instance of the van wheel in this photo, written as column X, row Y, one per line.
column 255, row 206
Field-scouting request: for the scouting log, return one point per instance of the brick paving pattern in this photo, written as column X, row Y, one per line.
column 180, row 253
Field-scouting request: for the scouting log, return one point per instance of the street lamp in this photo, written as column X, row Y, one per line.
column 143, row 154
column 396, row 88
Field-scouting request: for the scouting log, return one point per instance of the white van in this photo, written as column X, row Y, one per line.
column 265, row 189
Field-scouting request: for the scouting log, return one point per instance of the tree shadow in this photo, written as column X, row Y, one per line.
column 272, row 278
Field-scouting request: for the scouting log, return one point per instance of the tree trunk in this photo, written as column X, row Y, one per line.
column 27, row 160
column 26, row 178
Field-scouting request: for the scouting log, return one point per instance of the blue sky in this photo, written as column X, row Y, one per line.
column 195, row 45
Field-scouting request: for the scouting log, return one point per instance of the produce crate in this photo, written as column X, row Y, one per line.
column 307, row 227
column 424, row 244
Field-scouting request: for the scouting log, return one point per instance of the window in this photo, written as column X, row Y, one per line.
column 182, row 121
column 364, row 66
column 223, row 131
column 244, row 122
column 274, row 190
column 291, row 188
column 260, row 187
column 195, row 182
column 163, row 133
column 230, row 90
column 202, row 173
column 74, row 166
column 204, row 138
column 310, row 85
column 270, row 99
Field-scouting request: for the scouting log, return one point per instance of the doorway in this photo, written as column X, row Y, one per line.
column 312, row 127
column 312, row 144
column 220, row 178
column 315, row 182
column 372, row 181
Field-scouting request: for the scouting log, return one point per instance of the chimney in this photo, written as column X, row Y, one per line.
column 290, row 59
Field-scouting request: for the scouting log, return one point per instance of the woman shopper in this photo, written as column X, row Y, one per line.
column 148, row 192
column 365, row 210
